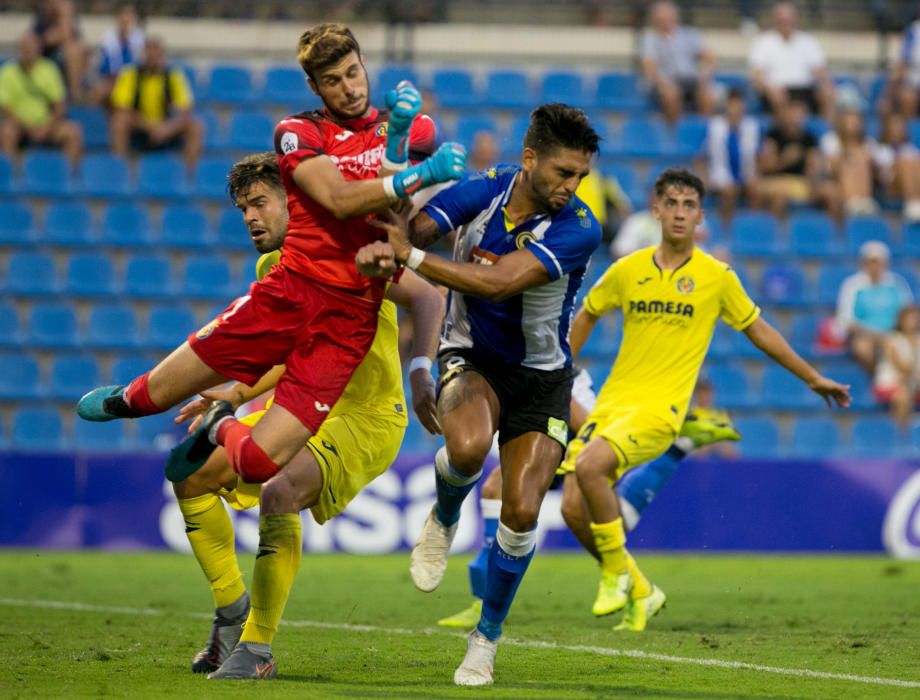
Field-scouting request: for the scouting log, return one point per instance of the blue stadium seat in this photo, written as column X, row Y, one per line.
column 112, row 327
column 731, row 385
column 148, row 276
column 230, row 84
column 914, row 439
column 625, row 176
column 620, row 92
column 251, row 131
column 784, row 285
column 20, row 379
column 804, row 333
column 454, row 88
column 783, row 390
column 813, row 235
column 37, row 430
column 52, row 325
column 911, row 234
column 99, row 437
column 645, row 137
column 755, row 234
column 508, row 89
column 72, row 376
column 907, row 271
column 211, row 178
column 208, row 277
column 127, row 368
column 162, row 176
column 815, row 437
column 95, row 125
column 126, row 225
column 105, row 175
column 691, row 133
column 213, row 131
column 860, row 229
column 90, row 275
column 287, row 86
column 759, row 437
column 874, row 436
column 10, row 330
column 69, row 224
column 565, row 86
column 6, row 175
column 830, row 277
column 391, row 76
column 16, row 224
column 169, row 326
column 468, row 125
column 158, row 432
column 31, row 274
column 45, row 173
column 232, row 232
column 723, row 342
column 185, row 226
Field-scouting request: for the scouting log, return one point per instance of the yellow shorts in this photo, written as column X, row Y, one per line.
column 352, row 449
column 636, row 435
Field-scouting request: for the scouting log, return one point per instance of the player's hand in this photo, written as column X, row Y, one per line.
column 396, row 225
column 376, row 259
column 423, row 400
column 447, row 163
column 404, row 104
column 829, row 390
column 195, row 410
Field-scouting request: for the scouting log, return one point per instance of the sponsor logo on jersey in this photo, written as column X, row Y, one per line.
column 289, row 142
column 674, row 308
column 641, row 282
column 901, row 527
column 321, row 407
column 483, row 257
column 344, row 135
column 685, row 285
column 364, row 165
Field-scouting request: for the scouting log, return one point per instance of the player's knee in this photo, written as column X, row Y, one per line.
column 279, row 495
column 467, row 452
column 520, row 515
column 573, row 513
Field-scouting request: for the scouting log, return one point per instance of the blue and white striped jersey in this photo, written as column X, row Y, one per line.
column 532, row 328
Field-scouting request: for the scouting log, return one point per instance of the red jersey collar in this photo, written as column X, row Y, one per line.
column 353, row 123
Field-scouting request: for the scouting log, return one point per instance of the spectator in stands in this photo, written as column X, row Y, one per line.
column 897, row 377
column 483, row 151
column 903, row 90
column 848, row 156
column 898, row 164
column 788, row 161
column 122, row 46
column 642, row 229
column 730, row 150
column 56, row 26
column 152, row 107
column 32, row 104
column 606, row 200
column 787, row 64
column 869, row 303
column 676, row 63
column 704, row 402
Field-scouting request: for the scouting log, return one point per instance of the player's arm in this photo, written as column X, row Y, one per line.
column 771, row 342
column 426, row 305
column 236, row 394
column 582, row 325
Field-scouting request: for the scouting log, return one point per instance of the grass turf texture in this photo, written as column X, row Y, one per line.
column 842, row 615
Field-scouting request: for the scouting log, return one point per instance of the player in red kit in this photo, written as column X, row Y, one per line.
column 314, row 312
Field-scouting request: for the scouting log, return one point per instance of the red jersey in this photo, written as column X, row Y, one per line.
column 317, row 244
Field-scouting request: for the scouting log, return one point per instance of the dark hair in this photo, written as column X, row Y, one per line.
column 680, row 178
column 260, row 167
column 736, row 93
column 325, row 45
column 559, row 126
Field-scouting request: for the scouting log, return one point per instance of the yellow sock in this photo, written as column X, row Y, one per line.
column 641, row 585
column 210, row 533
column 276, row 566
column 610, row 539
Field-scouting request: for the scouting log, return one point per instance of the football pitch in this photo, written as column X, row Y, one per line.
column 127, row 625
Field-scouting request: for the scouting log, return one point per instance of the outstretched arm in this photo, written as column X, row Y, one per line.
column 771, row 342
column 582, row 326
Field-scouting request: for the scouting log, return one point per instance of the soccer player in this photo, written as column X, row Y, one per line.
column 372, row 407
column 672, row 295
column 523, row 244
column 313, row 312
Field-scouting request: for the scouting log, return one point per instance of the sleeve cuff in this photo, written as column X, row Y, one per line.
column 440, row 216
column 545, row 256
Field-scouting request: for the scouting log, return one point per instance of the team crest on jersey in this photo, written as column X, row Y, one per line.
column 685, row 285
column 289, row 142
column 521, row 239
column 582, row 213
column 381, row 129
column 492, row 173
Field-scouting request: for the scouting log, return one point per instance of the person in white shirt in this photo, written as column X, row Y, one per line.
column 787, row 64
column 903, row 93
column 123, row 45
column 897, row 377
column 897, row 160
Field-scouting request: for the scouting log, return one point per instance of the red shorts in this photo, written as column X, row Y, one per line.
column 885, row 393
column 320, row 333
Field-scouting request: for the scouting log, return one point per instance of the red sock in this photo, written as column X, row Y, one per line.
column 137, row 396
column 246, row 457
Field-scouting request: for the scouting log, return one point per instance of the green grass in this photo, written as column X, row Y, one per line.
column 841, row 615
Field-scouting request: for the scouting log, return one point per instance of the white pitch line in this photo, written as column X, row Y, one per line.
column 599, row 651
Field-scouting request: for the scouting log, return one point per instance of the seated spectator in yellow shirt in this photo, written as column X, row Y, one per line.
column 32, row 104
column 152, row 107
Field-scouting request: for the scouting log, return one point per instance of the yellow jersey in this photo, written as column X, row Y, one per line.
column 376, row 385
column 668, row 320
column 150, row 94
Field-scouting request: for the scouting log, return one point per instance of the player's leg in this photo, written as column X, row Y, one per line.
column 468, row 410
column 529, row 462
column 575, row 514
column 211, row 537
